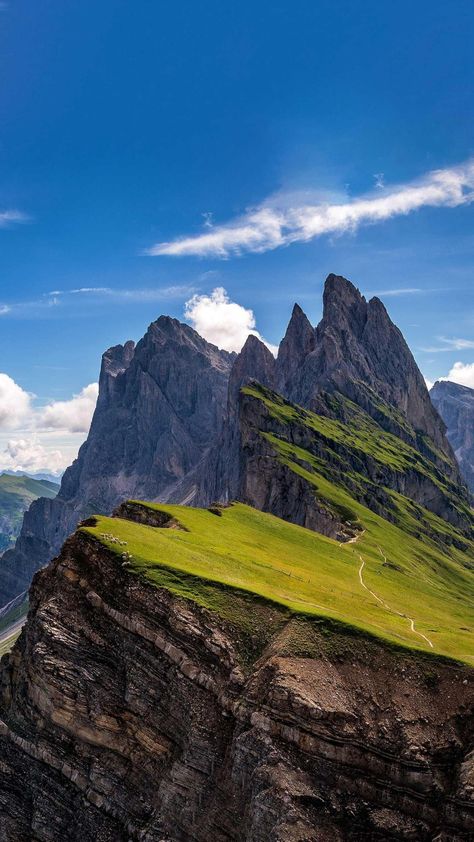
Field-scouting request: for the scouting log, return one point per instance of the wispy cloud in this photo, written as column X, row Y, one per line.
column 4, row 309
column 9, row 216
column 449, row 345
column 396, row 292
column 138, row 295
column 279, row 223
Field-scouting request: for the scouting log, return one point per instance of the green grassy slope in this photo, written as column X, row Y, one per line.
column 16, row 495
column 387, row 583
column 349, row 445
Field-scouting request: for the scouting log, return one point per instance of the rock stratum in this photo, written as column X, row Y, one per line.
column 129, row 712
column 295, row 666
column 455, row 404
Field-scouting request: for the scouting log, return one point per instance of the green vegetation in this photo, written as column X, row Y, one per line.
column 348, row 446
column 7, row 644
column 406, row 577
column 16, row 495
column 214, row 559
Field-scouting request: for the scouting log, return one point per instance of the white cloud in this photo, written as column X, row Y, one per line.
column 9, row 216
column 222, row 321
column 270, row 225
column 29, row 455
column 15, row 403
column 73, row 416
column 42, row 438
column 138, row 294
column 462, row 373
column 4, row 309
column 396, row 292
column 450, row 345
column 429, row 383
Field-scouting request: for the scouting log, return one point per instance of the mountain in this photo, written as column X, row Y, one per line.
column 455, row 404
column 225, row 675
column 55, row 478
column 160, row 406
column 170, row 423
column 17, row 492
column 296, row 666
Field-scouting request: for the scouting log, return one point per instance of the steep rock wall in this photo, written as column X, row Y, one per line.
column 129, row 714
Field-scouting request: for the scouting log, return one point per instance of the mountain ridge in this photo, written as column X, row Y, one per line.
column 166, row 425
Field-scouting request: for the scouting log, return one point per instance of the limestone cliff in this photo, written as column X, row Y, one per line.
column 167, row 425
column 161, row 404
column 128, row 713
column 455, row 404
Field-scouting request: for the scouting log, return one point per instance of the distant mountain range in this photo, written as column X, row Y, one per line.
column 17, row 492
column 54, row 478
column 455, row 404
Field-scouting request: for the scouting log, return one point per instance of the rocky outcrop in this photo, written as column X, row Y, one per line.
column 455, row 404
column 128, row 713
column 160, row 407
column 218, row 476
column 358, row 351
column 270, row 483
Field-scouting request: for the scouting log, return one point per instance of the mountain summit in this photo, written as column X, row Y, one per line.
column 173, row 424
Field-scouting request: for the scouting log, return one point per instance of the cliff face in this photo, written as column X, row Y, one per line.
column 160, row 406
column 286, row 452
column 167, row 425
column 455, row 404
column 128, row 713
column 358, row 351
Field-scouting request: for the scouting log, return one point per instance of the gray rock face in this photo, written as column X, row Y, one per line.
column 357, row 350
column 128, row 714
column 167, row 423
column 160, row 406
column 455, row 404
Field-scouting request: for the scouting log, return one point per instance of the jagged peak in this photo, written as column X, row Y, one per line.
column 343, row 304
column 299, row 333
column 117, row 358
column 255, row 362
column 449, row 386
column 167, row 329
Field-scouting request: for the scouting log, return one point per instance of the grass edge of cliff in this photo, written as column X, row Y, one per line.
column 230, row 559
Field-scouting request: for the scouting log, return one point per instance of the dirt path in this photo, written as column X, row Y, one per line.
column 388, row 607
column 351, row 540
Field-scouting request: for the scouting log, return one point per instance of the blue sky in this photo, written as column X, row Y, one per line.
column 125, row 125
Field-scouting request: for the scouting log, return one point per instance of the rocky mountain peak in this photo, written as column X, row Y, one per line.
column 344, row 306
column 297, row 343
column 115, row 361
column 254, row 362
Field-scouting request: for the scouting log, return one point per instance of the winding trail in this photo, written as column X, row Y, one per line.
column 387, row 606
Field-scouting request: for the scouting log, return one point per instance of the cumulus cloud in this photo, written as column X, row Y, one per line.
column 30, row 456
column 462, row 373
column 279, row 223
column 15, row 403
column 74, row 415
column 222, row 321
